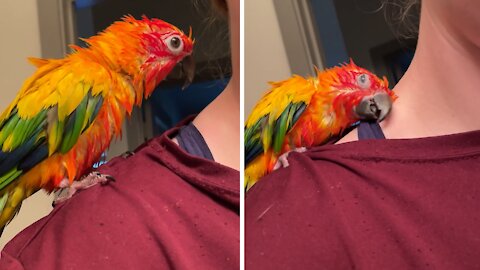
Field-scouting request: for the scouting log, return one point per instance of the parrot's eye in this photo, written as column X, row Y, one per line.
column 363, row 81
column 175, row 44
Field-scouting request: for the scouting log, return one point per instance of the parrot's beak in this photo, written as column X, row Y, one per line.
column 188, row 68
column 375, row 107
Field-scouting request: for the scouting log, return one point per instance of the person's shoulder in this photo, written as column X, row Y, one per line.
column 136, row 177
column 147, row 158
column 136, row 185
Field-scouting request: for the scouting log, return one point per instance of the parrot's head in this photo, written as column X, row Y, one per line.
column 358, row 93
column 164, row 45
column 148, row 50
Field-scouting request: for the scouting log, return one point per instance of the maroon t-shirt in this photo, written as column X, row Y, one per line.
column 373, row 204
column 166, row 210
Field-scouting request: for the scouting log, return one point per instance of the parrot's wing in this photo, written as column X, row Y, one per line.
column 26, row 141
column 276, row 131
column 275, row 115
column 55, row 106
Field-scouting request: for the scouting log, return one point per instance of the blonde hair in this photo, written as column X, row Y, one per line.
column 403, row 16
column 215, row 22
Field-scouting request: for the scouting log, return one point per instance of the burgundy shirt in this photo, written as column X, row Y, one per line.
column 166, row 210
column 372, row 204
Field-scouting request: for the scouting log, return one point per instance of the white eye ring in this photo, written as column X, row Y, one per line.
column 174, row 44
column 363, row 81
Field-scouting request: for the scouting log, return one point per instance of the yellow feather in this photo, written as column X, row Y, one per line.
column 7, row 144
column 295, row 89
column 17, row 195
column 69, row 99
column 54, row 137
column 30, row 105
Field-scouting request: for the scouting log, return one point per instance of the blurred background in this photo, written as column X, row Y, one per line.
column 285, row 37
column 44, row 28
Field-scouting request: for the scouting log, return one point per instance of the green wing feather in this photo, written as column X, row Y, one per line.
column 284, row 124
column 268, row 132
column 9, row 177
column 74, row 126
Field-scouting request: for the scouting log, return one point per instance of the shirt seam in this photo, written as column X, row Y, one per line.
column 452, row 157
column 157, row 147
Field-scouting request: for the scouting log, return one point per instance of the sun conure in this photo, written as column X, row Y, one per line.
column 299, row 112
column 66, row 114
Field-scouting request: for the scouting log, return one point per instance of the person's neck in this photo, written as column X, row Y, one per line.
column 219, row 122
column 219, row 125
column 440, row 92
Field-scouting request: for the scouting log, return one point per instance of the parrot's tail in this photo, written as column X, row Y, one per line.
column 11, row 198
column 250, row 179
column 259, row 167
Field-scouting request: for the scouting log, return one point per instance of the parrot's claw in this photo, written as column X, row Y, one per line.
column 88, row 181
column 127, row 154
column 65, row 183
column 282, row 161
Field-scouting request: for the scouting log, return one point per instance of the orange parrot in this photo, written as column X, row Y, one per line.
column 302, row 112
column 67, row 113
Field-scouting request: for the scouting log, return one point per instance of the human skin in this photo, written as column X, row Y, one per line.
column 219, row 122
column 439, row 94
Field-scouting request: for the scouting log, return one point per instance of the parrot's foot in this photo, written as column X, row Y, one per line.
column 127, row 154
column 88, row 181
column 282, row 161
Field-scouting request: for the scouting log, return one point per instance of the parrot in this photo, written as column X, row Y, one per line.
column 70, row 109
column 302, row 112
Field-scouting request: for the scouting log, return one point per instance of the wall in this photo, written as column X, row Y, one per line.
column 265, row 54
column 20, row 31
column 329, row 32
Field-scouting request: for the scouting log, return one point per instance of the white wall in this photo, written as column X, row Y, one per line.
column 265, row 54
column 20, row 39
